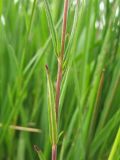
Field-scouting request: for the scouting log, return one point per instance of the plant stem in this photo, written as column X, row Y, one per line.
column 54, row 152
column 60, row 58
column 59, row 73
column 64, row 28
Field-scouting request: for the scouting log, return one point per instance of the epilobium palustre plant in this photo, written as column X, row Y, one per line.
column 54, row 104
column 79, row 40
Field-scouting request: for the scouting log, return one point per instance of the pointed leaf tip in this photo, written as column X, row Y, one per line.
column 36, row 148
column 46, row 66
column 39, row 152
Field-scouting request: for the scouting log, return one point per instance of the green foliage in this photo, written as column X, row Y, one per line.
column 89, row 112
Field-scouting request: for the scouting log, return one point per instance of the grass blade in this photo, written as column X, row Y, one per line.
column 115, row 146
column 51, row 110
column 39, row 152
column 0, row 7
column 51, row 27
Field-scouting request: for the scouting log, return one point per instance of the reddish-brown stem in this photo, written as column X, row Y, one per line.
column 59, row 73
column 64, row 28
column 54, row 152
column 60, row 58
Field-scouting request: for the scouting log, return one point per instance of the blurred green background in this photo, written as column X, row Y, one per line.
column 90, row 91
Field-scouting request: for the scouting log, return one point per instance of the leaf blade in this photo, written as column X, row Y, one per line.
column 51, row 110
column 51, row 26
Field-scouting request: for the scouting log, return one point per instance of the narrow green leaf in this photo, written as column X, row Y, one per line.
column 39, row 152
column 74, row 27
column 51, row 110
column 0, row 7
column 29, row 26
column 51, row 27
column 31, row 18
column 60, row 135
column 12, row 56
column 115, row 146
column 104, row 133
column 110, row 96
column 21, row 147
column 14, row 64
column 36, row 58
column 62, row 149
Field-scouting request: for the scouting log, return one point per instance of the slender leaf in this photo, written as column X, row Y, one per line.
column 51, row 110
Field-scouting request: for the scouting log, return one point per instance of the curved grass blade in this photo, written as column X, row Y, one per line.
column 51, row 110
column 105, row 133
column 74, row 26
column 39, row 152
column 110, row 97
column 31, row 18
column 12, row 56
column 51, row 27
column 115, row 147
column 27, row 35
